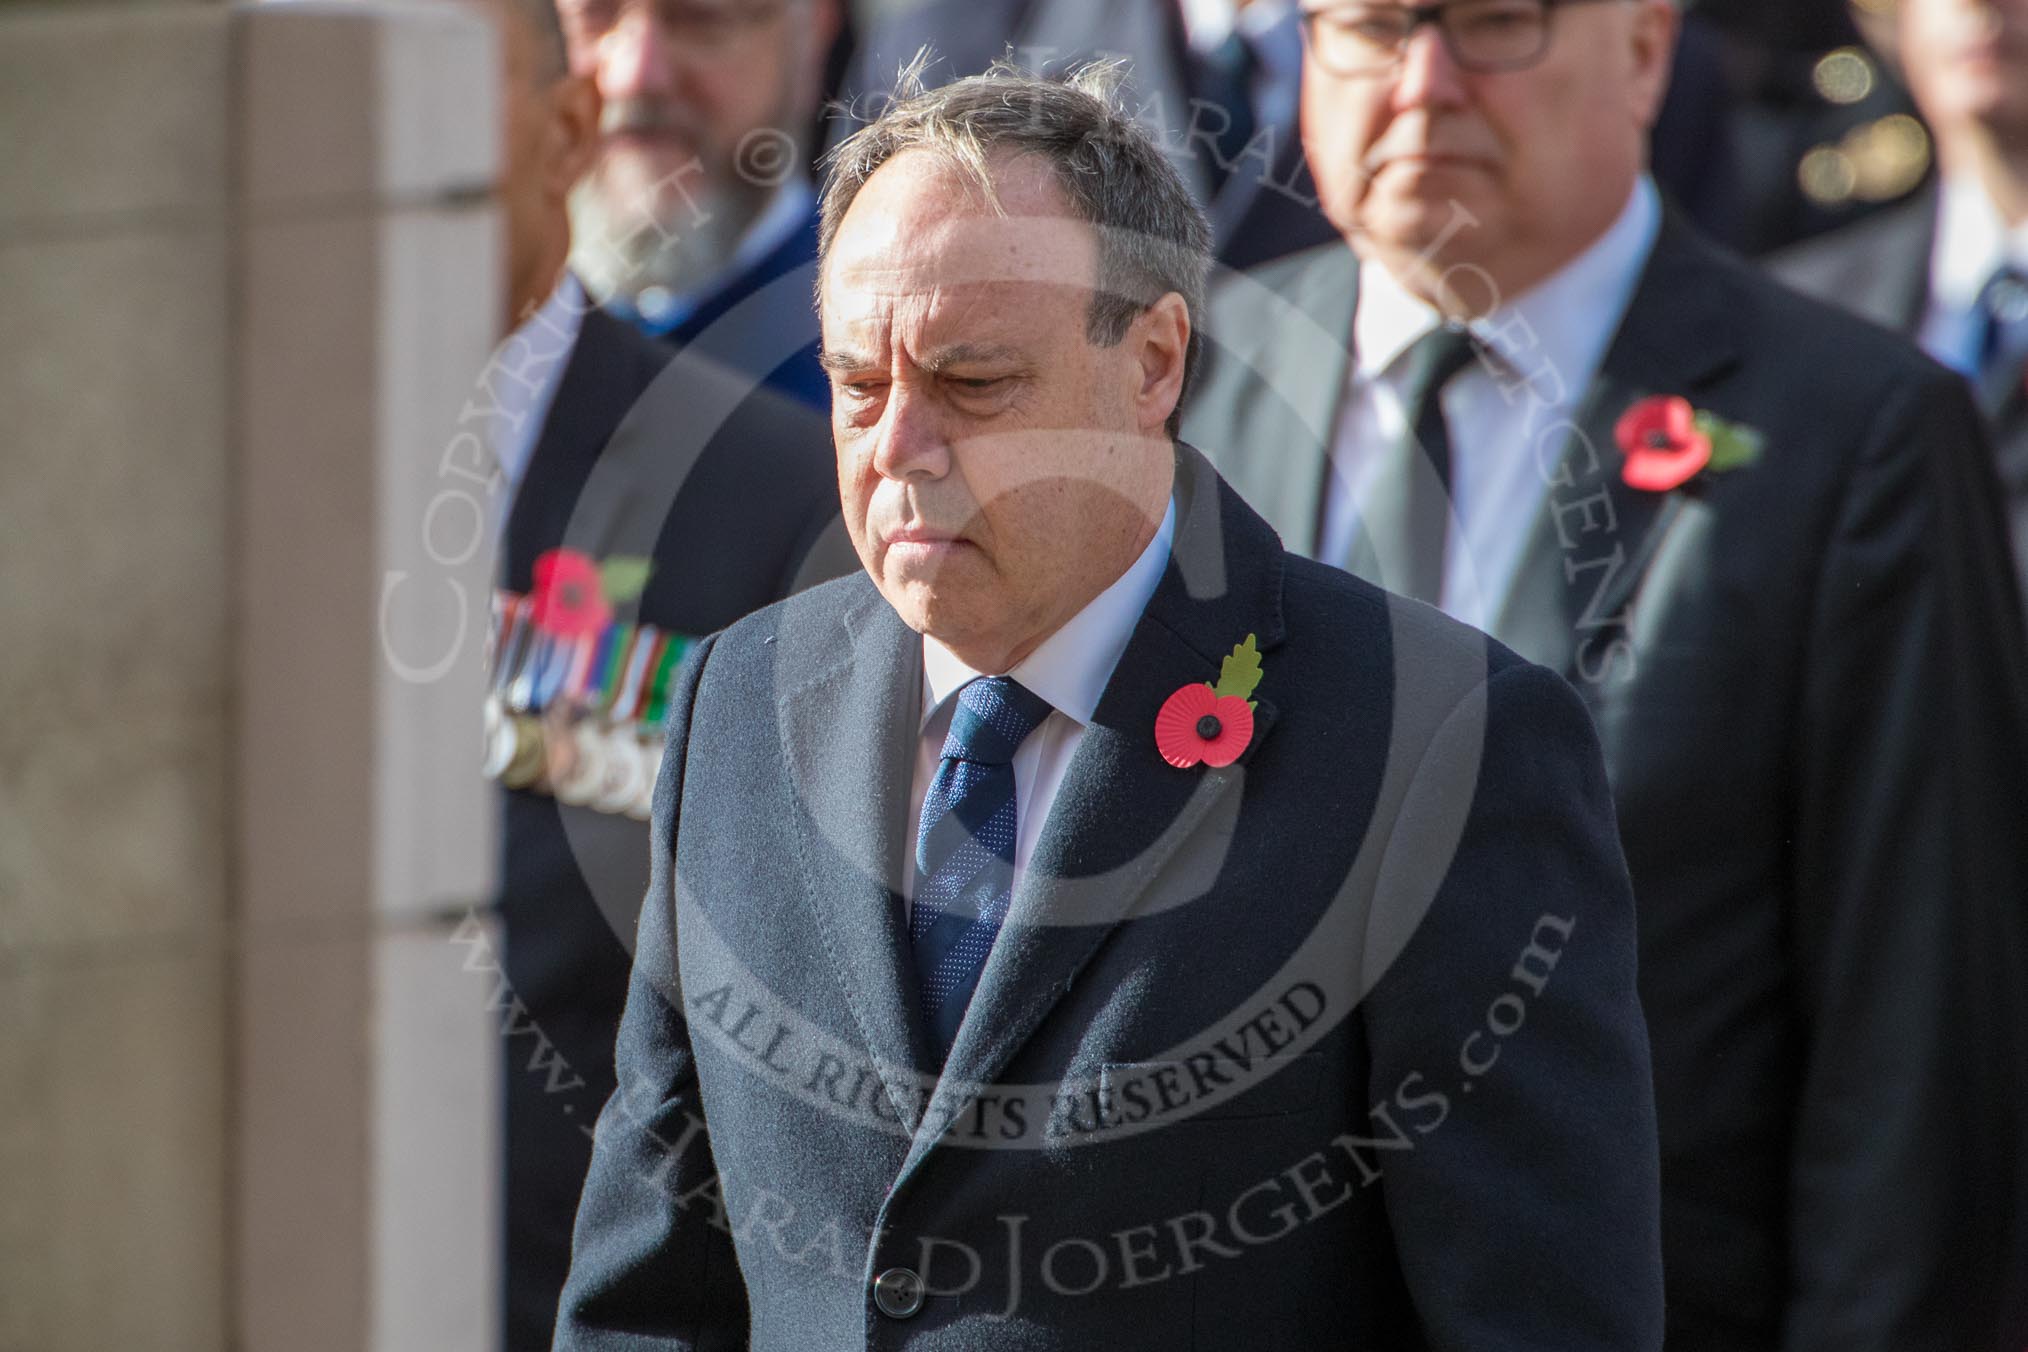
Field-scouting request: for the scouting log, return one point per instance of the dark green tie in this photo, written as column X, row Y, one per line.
column 1408, row 514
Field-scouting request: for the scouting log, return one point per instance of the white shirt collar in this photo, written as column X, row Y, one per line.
column 1972, row 242
column 540, row 345
column 1573, row 313
column 781, row 218
column 1207, row 23
column 1072, row 666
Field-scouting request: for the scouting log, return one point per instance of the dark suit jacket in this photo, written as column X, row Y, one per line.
column 1416, row 809
column 1262, row 211
column 729, row 489
column 1879, row 268
column 1808, row 676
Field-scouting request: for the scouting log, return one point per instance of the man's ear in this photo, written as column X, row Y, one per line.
column 572, row 142
column 1161, row 342
column 1655, row 28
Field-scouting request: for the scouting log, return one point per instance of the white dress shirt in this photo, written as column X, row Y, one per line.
column 521, row 380
column 1972, row 243
column 1507, row 424
column 1070, row 670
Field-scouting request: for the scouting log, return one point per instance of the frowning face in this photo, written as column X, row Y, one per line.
column 997, row 468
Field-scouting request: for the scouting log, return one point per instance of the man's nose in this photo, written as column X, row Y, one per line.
column 1428, row 75
column 635, row 56
column 911, row 442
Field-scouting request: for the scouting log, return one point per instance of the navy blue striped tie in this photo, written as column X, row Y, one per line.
column 964, row 849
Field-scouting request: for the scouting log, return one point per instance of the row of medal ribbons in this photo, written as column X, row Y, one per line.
column 578, row 715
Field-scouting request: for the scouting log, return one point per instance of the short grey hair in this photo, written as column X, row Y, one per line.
column 1153, row 238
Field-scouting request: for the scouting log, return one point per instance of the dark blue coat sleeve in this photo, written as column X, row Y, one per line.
column 652, row 1264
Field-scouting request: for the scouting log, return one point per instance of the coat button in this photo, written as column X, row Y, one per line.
column 897, row 1293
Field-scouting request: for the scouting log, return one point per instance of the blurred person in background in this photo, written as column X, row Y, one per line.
column 698, row 219
column 1216, row 75
column 1949, row 267
column 1820, row 136
column 1216, row 78
column 653, row 497
column 1764, row 541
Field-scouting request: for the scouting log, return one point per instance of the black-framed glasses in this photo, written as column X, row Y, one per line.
column 1482, row 36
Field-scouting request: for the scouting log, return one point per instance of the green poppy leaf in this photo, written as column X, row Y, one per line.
column 1240, row 672
column 624, row 578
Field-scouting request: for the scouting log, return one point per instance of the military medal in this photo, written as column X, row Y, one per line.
column 524, row 768
column 652, row 735
column 499, row 750
column 651, row 772
column 623, row 768
column 510, row 644
column 564, row 711
column 591, row 686
column 525, row 699
column 578, row 697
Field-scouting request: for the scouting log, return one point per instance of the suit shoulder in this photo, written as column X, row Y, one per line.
column 826, row 603
column 1320, row 599
column 1830, row 265
column 1815, row 354
column 1310, row 279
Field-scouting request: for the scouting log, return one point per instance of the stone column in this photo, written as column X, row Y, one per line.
column 249, row 267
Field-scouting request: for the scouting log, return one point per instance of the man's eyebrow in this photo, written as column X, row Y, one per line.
column 968, row 354
column 842, row 361
column 838, row 361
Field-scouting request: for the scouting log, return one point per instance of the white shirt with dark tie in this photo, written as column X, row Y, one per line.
column 1973, row 241
column 1508, row 415
column 1070, row 670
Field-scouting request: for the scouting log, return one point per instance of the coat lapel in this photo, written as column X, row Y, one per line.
column 1122, row 811
column 1572, row 588
column 598, row 384
column 849, row 731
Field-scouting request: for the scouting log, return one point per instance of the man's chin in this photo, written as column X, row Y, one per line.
column 644, row 168
column 1995, row 93
column 1426, row 212
column 942, row 596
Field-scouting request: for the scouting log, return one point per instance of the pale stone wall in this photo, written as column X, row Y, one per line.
column 247, row 276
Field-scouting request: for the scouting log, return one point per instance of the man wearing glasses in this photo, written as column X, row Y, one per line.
column 1764, row 542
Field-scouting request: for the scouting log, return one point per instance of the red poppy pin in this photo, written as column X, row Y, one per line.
column 1667, row 443
column 1211, row 724
column 575, row 593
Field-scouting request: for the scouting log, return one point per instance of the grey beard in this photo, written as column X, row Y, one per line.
column 617, row 251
